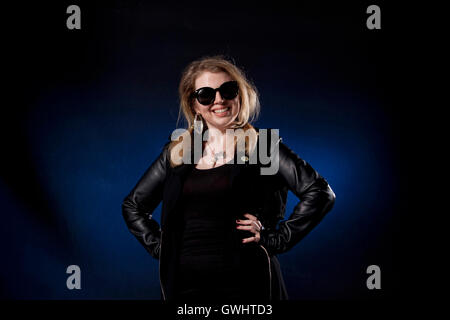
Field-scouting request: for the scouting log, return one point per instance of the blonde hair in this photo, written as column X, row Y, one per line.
column 248, row 99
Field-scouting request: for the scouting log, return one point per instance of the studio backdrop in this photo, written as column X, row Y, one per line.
column 96, row 98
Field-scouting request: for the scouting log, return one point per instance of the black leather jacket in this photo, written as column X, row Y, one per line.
column 261, row 195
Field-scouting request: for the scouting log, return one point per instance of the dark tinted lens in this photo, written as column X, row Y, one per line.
column 206, row 96
column 229, row 90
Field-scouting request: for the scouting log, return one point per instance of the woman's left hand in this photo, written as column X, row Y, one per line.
column 253, row 225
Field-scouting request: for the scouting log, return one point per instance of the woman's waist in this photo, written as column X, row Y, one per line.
column 214, row 241
column 218, row 254
column 200, row 227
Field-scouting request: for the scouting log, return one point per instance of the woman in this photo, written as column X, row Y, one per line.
column 219, row 235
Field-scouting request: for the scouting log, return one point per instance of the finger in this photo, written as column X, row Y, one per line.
column 247, row 240
column 257, row 224
column 250, row 216
column 250, row 228
column 244, row 227
column 251, row 239
column 244, row 221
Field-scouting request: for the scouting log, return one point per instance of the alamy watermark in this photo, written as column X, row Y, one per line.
column 374, row 20
column 74, row 20
column 374, row 280
column 183, row 153
column 74, row 280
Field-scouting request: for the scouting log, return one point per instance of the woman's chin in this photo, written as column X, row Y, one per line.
column 220, row 122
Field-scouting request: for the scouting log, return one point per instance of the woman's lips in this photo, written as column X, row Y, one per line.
column 224, row 113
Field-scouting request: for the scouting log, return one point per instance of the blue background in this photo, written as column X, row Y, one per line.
column 94, row 107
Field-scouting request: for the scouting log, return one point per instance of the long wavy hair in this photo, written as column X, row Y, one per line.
column 248, row 100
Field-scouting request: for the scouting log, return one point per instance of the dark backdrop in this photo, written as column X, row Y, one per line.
column 91, row 109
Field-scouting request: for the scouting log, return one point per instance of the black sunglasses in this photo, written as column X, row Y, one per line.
column 206, row 95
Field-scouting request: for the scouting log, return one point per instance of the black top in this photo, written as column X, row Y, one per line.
column 207, row 212
column 206, row 261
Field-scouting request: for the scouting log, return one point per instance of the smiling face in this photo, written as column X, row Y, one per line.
column 218, row 120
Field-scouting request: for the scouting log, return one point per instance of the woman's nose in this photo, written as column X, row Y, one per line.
column 218, row 99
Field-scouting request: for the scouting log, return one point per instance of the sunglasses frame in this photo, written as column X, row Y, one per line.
column 195, row 94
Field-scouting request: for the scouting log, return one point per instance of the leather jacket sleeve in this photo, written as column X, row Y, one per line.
column 138, row 206
column 316, row 199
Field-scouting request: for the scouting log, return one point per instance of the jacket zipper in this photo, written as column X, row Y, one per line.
column 159, row 267
column 270, row 272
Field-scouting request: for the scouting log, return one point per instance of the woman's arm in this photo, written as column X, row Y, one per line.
column 316, row 199
column 138, row 206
